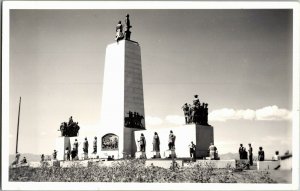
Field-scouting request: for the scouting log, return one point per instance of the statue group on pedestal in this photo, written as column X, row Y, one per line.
column 196, row 113
column 69, row 129
column 119, row 30
column 134, row 120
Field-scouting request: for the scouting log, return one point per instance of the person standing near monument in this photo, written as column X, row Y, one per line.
column 54, row 154
column 95, row 145
column 276, row 156
column 142, row 142
column 172, row 138
column 212, row 151
column 241, row 151
column 23, row 161
column 85, row 148
column 42, row 158
column 67, row 153
column 250, row 151
column 156, row 142
column 261, row 154
column 192, row 147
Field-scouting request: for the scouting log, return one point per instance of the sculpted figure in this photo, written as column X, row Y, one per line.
column 95, row 145
column 119, row 30
column 156, row 142
column 186, row 110
column 142, row 142
column 127, row 27
column 172, row 138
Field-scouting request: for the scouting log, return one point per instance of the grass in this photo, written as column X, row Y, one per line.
column 135, row 171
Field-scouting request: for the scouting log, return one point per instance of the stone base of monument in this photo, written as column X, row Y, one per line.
column 155, row 154
column 84, row 156
column 268, row 165
column 170, row 154
column 94, row 156
column 140, row 155
column 61, row 144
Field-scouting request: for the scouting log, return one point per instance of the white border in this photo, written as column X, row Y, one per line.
column 7, row 5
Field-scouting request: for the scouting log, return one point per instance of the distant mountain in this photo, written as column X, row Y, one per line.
column 30, row 157
column 229, row 156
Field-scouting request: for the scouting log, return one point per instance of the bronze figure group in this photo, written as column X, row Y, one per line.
column 196, row 113
column 69, row 129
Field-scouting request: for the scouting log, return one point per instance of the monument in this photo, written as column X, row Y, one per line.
column 122, row 109
column 67, row 130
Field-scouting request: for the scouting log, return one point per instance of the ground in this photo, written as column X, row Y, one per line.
column 135, row 171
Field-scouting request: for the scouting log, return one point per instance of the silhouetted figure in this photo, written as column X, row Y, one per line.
column 241, row 151
column 75, row 146
column 23, row 161
column 212, row 151
column 261, row 154
column 250, row 151
column 192, row 147
column 42, row 158
column 73, row 154
column 156, row 142
column 127, row 28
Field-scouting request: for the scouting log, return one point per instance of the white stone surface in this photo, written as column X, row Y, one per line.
column 169, row 154
column 61, row 144
column 286, row 164
column 267, row 165
column 140, row 155
column 122, row 92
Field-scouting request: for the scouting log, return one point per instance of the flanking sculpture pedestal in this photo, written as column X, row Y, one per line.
column 155, row 154
column 61, row 144
column 140, row 155
column 170, row 154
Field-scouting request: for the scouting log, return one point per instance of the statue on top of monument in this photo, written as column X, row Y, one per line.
column 127, row 28
column 69, row 129
column 196, row 113
column 119, row 30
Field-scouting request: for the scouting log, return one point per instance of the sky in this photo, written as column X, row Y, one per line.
column 238, row 61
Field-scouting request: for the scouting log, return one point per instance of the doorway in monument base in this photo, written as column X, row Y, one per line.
column 110, row 145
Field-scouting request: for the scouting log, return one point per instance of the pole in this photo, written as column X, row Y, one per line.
column 18, row 126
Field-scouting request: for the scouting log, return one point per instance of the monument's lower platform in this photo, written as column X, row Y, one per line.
column 201, row 135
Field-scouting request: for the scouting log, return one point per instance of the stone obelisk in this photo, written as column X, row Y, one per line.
column 122, row 109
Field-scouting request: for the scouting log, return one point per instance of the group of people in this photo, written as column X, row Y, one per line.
column 196, row 113
column 244, row 155
column 156, row 142
column 17, row 160
column 134, row 120
column 69, row 129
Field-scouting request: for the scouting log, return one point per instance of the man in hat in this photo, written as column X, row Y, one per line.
column 241, row 151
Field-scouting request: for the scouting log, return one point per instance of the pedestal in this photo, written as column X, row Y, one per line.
column 61, row 144
column 155, row 154
column 170, row 154
column 140, row 155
